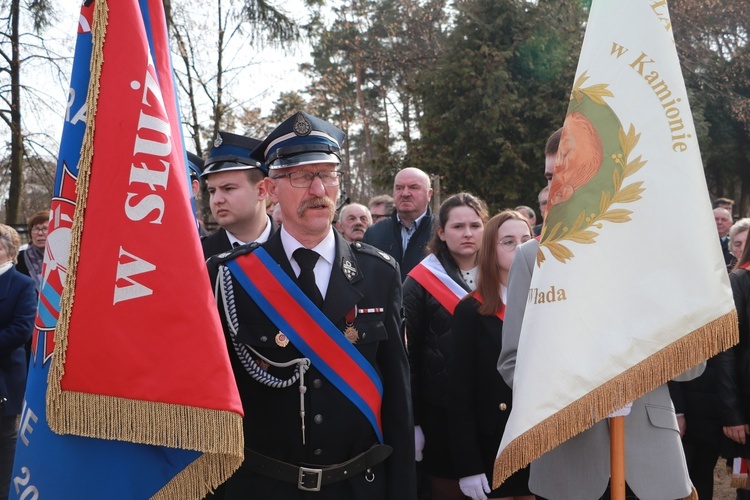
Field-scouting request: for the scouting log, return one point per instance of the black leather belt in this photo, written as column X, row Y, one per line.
column 312, row 477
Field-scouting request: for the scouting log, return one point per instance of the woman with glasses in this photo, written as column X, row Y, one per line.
column 431, row 291
column 479, row 399
column 17, row 311
column 30, row 260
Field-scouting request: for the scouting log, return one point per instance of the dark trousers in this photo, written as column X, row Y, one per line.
column 701, row 457
column 8, row 434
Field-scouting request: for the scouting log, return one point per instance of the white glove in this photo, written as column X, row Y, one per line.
column 622, row 412
column 475, row 487
column 418, row 443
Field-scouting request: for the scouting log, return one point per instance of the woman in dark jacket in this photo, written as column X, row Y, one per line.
column 30, row 260
column 431, row 291
column 17, row 311
column 733, row 371
column 479, row 399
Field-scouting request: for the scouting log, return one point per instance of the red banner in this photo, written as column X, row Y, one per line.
column 139, row 352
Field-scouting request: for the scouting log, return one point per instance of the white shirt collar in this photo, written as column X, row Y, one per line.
column 326, row 248
column 260, row 239
column 416, row 222
column 327, row 251
column 5, row 267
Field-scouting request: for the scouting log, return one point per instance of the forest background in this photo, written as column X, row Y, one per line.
column 466, row 90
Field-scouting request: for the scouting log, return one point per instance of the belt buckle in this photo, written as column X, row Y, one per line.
column 303, row 474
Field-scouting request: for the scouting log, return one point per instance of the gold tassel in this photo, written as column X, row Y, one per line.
column 739, row 481
column 683, row 354
column 57, row 368
column 217, row 434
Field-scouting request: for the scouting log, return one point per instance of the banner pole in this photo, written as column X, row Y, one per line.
column 617, row 458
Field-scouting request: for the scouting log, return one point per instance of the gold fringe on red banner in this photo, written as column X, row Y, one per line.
column 678, row 357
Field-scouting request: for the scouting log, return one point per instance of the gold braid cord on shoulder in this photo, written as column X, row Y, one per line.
column 217, row 434
column 678, row 357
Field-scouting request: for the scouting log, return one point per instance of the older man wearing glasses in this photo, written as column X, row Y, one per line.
column 313, row 324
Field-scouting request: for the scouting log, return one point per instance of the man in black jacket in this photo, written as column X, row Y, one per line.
column 406, row 233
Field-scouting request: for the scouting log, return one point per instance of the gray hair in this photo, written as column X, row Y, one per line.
column 740, row 226
column 10, row 241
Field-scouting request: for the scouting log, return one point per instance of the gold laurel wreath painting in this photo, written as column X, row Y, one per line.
column 593, row 161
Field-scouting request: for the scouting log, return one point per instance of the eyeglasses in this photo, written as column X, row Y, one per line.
column 303, row 178
column 509, row 244
column 39, row 230
column 378, row 216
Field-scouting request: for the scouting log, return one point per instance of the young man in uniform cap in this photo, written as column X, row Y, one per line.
column 195, row 167
column 237, row 194
column 327, row 405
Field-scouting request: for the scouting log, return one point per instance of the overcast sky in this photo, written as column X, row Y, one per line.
column 276, row 72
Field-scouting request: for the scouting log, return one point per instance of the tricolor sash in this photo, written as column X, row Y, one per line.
column 431, row 274
column 311, row 332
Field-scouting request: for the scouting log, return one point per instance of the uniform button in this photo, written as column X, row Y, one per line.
column 263, row 338
column 364, row 335
column 503, row 407
column 318, row 452
column 317, row 383
column 318, row 418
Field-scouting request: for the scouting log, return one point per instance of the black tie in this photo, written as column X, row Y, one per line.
column 306, row 259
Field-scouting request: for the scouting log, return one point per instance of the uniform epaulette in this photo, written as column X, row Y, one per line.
column 366, row 249
column 233, row 253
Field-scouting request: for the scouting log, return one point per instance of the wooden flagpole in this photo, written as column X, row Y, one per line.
column 617, row 458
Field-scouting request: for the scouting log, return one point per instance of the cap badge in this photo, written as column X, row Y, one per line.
column 301, row 125
column 218, row 141
column 349, row 270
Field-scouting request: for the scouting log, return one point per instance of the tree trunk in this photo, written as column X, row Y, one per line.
column 219, row 106
column 16, row 148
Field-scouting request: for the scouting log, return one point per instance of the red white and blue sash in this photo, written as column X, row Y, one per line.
column 311, row 332
column 431, row 274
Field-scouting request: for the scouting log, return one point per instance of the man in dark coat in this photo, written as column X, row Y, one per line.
column 303, row 432
column 406, row 233
column 237, row 193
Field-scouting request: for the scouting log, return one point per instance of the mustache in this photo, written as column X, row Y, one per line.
column 322, row 201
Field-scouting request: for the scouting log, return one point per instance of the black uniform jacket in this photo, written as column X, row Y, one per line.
column 336, row 430
column 479, row 399
column 733, row 365
column 429, row 341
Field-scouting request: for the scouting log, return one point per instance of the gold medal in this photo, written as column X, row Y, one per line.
column 281, row 340
column 351, row 333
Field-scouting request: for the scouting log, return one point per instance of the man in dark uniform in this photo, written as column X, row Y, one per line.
column 306, row 435
column 195, row 167
column 237, row 194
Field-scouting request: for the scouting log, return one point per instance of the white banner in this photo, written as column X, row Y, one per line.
column 629, row 287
